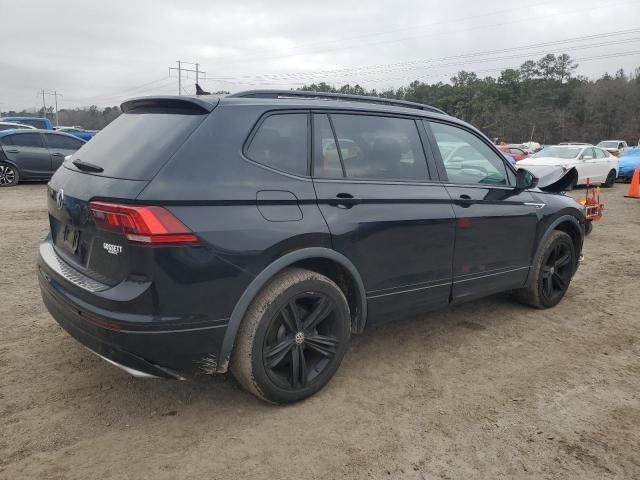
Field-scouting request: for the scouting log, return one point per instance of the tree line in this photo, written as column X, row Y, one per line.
column 541, row 100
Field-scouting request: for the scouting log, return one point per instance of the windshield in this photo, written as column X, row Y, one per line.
column 558, row 152
column 608, row 144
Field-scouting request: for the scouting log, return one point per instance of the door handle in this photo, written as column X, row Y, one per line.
column 13, row 151
column 463, row 201
column 344, row 200
column 58, row 154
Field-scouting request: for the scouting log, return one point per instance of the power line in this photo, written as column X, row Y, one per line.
column 181, row 69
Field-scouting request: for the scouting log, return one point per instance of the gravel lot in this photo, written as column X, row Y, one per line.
column 489, row 389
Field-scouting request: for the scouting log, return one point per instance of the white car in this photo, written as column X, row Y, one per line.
column 614, row 147
column 593, row 163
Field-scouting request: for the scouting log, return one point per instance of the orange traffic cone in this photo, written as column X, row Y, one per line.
column 634, row 188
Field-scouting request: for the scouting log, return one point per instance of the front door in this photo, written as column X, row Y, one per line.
column 495, row 223
column 384, row 213
column 28, row 152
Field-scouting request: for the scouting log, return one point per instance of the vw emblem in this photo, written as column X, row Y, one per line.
column 60, row 199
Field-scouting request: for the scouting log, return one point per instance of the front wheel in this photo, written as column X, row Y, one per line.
column 551, row 274
column 8, row 175
column 293, row 337
column 611, row 178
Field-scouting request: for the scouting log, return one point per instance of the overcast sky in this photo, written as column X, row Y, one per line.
column 103, row 52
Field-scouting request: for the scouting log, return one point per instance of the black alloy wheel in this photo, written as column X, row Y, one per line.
column 302, row 340
column 557, row 270
column 293, row 337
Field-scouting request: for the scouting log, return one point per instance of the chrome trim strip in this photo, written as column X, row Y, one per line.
column 131, row 371
column 410, row 290
column 69, row 273
column 491, row 274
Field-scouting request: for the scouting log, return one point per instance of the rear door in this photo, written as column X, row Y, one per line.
column 60, row 146
column 385, row 214
column 28, row 151
column 495, row 223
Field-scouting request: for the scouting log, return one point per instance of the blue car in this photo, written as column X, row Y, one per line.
column 80, row 133
column 37, row 122
column 627, row 163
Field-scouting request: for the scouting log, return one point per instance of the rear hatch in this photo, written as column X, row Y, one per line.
column 90, row 198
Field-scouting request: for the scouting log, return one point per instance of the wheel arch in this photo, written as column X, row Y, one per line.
column 322, row 260
column 565, row 223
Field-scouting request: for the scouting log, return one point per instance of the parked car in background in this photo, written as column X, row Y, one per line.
column 516, row 153
column 259, row 231
column 614, row 147
column 575, row 143
column 14, row 126
column 36, row 122
column 530, row 147
column 593, row 163
column 628, row 162
column 78, row 132
column 33, row 154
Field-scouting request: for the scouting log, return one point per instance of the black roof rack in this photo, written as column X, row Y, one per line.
column 334, row 96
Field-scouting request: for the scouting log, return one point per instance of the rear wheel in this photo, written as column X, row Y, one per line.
column 293, row 337
column 552, row 273
column 611, row 178
column 9, row 175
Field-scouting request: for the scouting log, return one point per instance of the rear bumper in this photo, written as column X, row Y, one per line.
column 139, row 348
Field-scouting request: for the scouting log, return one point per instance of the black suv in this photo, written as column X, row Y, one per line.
column 257, row 232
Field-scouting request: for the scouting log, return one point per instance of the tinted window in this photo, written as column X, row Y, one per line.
column 63, row 142
column 467, row 159
column 281, row 142
column 136, row 145
column 380, row 147
column 27, row 140
column 326, row 156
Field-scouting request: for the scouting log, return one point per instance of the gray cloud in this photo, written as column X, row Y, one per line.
column 102, row 52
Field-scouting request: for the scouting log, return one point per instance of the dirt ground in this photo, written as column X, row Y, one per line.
column 489, row 389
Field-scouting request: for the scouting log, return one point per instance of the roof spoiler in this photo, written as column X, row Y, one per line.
column 196, row 105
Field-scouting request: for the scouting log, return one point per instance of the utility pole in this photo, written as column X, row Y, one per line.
column 55, row 95
column 181, row 69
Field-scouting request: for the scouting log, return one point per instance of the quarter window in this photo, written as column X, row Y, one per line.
column 281, row 142
column 467, row 159
column 27, row 140
column 63, row 142
column 374, row 147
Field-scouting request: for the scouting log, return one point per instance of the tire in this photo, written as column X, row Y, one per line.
column 611, row 179
column 588, row 227
column 284, row 359
column 9, row 175
column 552, row 273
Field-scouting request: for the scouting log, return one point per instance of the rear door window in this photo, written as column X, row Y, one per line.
column 27, row 140
column 377, row 147
column 600, row 153
column 281, row 142
column 63, row 142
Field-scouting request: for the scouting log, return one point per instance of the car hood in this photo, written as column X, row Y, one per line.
column 559, row 162
column 551, row 178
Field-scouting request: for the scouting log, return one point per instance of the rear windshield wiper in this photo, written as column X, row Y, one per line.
column 87, row 167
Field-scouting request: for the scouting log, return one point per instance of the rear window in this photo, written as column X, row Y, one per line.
column 137, row 144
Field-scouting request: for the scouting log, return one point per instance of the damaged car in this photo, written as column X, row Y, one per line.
column 256, row 233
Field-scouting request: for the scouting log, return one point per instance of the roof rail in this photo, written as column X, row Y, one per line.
column 334, row 96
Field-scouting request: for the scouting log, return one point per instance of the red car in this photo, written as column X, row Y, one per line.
column 517, row 153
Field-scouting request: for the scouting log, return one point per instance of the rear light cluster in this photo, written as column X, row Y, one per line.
column 149, row 225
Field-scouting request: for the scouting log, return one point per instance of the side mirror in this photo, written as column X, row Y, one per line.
column 525, row 179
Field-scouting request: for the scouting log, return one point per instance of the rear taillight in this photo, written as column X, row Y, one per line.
column 149, row 225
